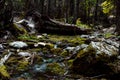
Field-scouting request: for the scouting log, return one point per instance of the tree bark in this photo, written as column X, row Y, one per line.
column 76, row 10
column 117, row 2
column 96, row 13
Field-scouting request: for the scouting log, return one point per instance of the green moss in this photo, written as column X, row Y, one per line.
column 55, row 68
column 19, row 30
column 49, row 45
column 34, row 50
column 70, row 62
column 81, row 25
column 27, row 37
column 108, row 35
column 68, row 39
column 3, row 71
column 45, row 50
column 87, row 51
column 64, row 53
column 12, row 60
column 22, row 65
column 56, row 51
column 78, row 40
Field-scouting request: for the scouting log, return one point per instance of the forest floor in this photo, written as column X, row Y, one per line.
column 45, row 56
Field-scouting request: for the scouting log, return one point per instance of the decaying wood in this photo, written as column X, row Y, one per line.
column 47, row 25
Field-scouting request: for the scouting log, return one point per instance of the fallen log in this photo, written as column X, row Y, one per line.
column 47, row 25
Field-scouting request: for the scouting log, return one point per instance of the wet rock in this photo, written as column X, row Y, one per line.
column 110, row 30
column 24, row 54
column 43, row 44
column 26, row 75
column 5, row 58
column 70, row 49
column 48, row 60
column 111, row 42
column 40, row 68
column 57, row 44
column 22, row 21
column 94, row 59
column 118, row 57
column 39, row 36
column 18, row 44
column 75, row 49
column 97, row 34
column 45, row 34
column 104, row 49
column 83, row 46
column 29, row 24
column 49, row 66
column 40, row 44
column 84, row 36
column 1, row 46
column 92, row 37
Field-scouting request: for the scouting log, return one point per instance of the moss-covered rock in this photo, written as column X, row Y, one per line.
column 55, row 68
column 94, row 58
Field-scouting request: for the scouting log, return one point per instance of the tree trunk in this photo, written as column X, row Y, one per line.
column 67, row 10
column 96, row 13
column 76, row 10
column 118, row 16
column 118, row 19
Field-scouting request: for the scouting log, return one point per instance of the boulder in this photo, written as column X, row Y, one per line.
column 94, row 59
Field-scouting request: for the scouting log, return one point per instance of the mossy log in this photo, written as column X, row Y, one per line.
column 48, row 25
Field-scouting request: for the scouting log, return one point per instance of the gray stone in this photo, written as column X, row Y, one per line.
column 24, row 54
column 18, row 44
column 70, row 49
column 1, row 46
